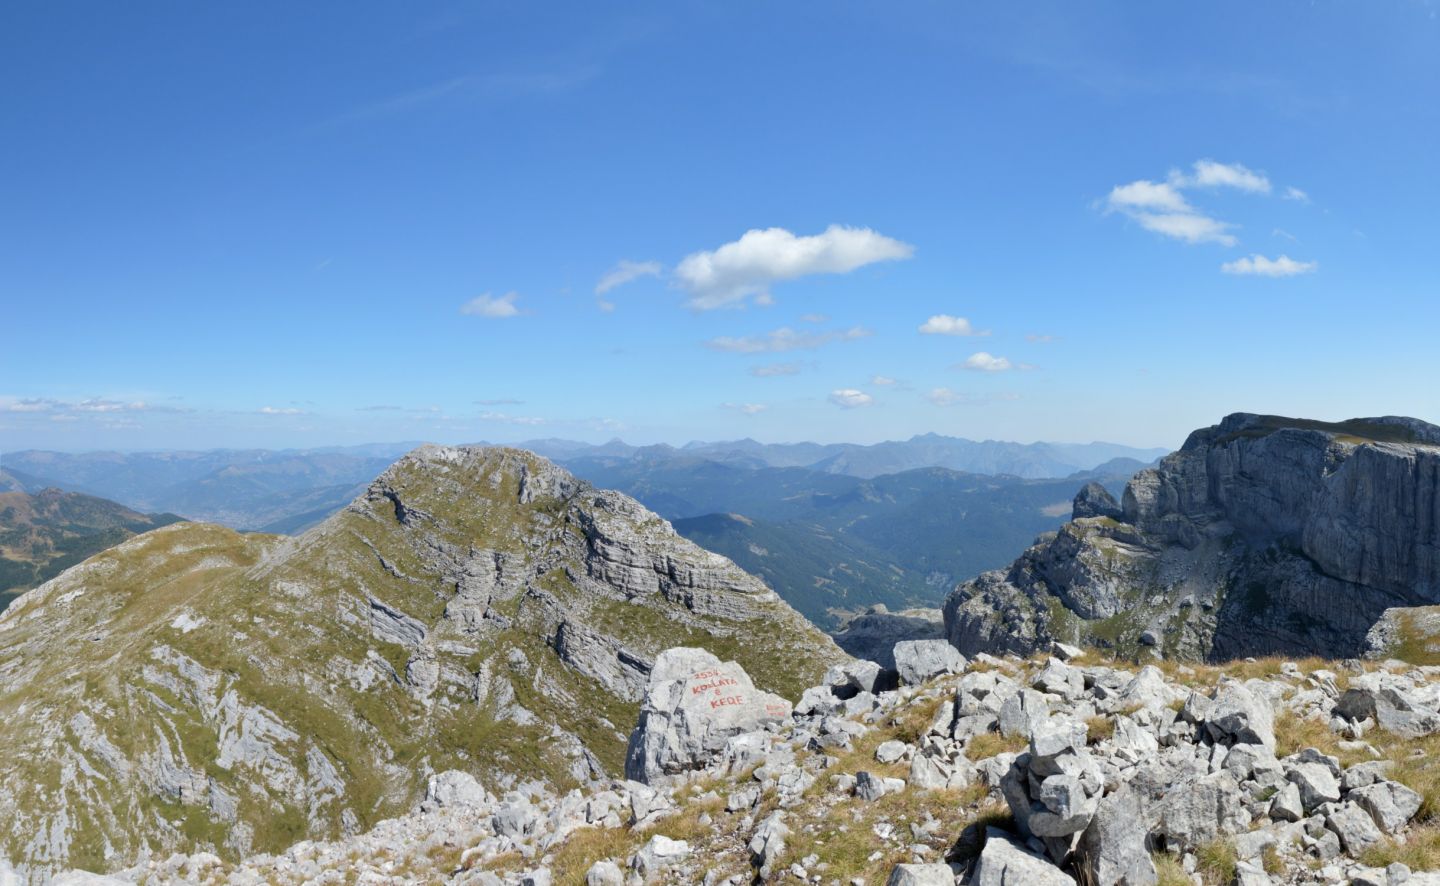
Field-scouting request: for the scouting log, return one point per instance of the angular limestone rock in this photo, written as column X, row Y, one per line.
column 694, row 704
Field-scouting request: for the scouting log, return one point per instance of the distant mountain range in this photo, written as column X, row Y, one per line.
column 1028, row 460
column 287, row 491
column 43, row 534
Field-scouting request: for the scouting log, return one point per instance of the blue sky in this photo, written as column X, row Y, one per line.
column 308, row 224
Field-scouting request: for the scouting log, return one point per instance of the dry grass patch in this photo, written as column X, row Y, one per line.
column 1216, row 862
column 584, row 847
column 845, row 840
column 983, row 747
column 1420, row 851
column 1415, row 767
column 1294, row 734
column 1414, row 645
column 1099, row 728
column 1169, row 871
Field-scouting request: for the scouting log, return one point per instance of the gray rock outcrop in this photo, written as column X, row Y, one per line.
column 694, row 705
column 1261, row 535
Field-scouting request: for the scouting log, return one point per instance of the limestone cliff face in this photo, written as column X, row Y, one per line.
column 475, row 609
column 1261, row 534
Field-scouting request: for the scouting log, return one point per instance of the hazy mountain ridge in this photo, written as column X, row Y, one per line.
column 48, row 531
column 240, row 488
column 1027, row 460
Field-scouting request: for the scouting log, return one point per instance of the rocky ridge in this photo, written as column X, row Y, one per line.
column 1261, row 535
column 1048, row 771
column 476, row 609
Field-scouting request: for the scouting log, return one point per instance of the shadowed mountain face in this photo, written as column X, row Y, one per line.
column 477, row 609
column 47, row 532
column 1261, row 535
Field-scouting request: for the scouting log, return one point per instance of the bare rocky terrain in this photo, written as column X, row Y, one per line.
column 485, row 671
column 1058, row 769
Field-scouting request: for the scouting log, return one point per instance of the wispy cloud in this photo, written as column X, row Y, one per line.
column 492, row 306
column 883, row 381
column 1163, row 208
column 771, row 370
column 1209, row 174
column 948, row 397
column 747, row 268
column 849, row 398
column 945, row 324
column 90, row 405
column 784, row 339
column 1294, row 193
column 1260, row 266
column 746, row 408
column 499, row 401
column 624, row 272
column 1040, row 338
column 494, row 86
column 379, row 408
column 507, row 419
column 281, row 410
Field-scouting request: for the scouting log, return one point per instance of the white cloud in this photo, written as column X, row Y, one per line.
column 784, row 339
column 770, row 370
column 606, row 307
column 849, row 398
column 492, row 306
column 1190, row 227
column 1148, row 195
column 944, row 324
column 624, row 272
column 1040, row 338
column 1281, row 232
column 499, row 401
column 1209, row 174
column 814, row 318
column 280, row 410
column 883, row 381
column 1259, row 265
column 1163, row 208
column 980, row 361
column 747, row 267
column 747, row 408
column 1294, row 193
